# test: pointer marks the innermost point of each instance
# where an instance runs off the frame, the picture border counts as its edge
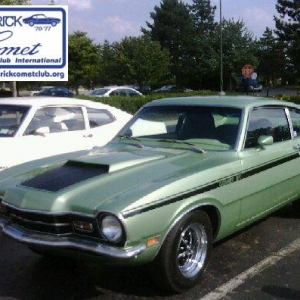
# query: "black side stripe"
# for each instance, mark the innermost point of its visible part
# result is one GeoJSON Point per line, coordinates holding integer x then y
{"type": "Point", "coordinates": [214, 185]}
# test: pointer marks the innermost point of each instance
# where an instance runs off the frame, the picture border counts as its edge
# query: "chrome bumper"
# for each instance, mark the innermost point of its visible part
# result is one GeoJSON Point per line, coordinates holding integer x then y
{"type": "Point", "coordinates": [40, 239]}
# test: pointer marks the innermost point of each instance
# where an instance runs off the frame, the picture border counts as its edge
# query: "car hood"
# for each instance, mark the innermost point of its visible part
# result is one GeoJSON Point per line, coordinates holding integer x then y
{"type": "Point", "coordinates": [114, 179]}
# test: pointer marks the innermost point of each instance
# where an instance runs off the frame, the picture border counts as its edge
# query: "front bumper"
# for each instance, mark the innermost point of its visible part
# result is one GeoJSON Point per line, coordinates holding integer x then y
{"type": "Point", "coordinates": [72, 243]}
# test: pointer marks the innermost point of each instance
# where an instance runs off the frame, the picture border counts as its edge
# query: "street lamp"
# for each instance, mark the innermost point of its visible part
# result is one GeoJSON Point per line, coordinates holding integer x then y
{"type": "Point", "coordinates": [222, 93]}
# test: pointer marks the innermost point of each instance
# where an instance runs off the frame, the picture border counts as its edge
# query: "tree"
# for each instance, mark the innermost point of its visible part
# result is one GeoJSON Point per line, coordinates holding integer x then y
{"type": "Point", "coordinates": [141, 60]}
{"type": "Point", "coordinates": [15, 2]}
{"type": "Point", "coordinates": [173, 28]}
{"type": "Point", "coordinates": [108, 69]}
{"type": "Point", "coordinates": [205, 62]}
{"type": "Point", "coordinates": [288, 31]}
{"type": "Point", "coordinates": [239, 49]}
{"type": "Point", "coordinates": [271, 57]}
{"type": "Point", "coordinates": [84, 60]}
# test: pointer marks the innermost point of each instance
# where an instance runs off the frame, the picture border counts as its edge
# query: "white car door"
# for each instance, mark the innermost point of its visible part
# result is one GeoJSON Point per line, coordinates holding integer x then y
{"type": "Point", "coordinates": [54, 130]}
{"type": "Point", "coordinates": [105, 123]}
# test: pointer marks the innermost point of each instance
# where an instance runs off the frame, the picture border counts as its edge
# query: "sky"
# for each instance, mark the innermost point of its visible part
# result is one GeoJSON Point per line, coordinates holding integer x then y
{"type": "Point", "coordinates": [114, 20]}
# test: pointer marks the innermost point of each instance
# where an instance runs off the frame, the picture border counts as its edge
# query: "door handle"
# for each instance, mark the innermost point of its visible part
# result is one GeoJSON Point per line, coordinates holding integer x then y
{"type": "Point", "coordinates": [88, 135]}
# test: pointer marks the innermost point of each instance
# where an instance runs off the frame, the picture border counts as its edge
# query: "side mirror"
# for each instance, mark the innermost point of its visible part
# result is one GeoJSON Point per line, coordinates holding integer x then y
{"type": "Point", "coordinates": [265, 140]}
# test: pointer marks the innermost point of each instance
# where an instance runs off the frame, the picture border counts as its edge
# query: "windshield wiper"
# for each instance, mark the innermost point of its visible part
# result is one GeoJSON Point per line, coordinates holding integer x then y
{"type": "Point", "coordinates": [128, 137]}
{"type": "Point", "coordinates": [192, 146]}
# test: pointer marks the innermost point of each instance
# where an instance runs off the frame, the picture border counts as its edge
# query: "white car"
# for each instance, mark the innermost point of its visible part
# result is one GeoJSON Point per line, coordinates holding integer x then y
{"type": "Point", "coordinates": [33, 128]}
{"type": "Point", "coordinates": [114, 91]}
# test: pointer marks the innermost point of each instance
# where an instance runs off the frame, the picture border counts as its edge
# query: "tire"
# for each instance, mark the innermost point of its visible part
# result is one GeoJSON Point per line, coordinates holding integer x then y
{"type": "Point", "coordinates": [39, 250]}
{"type": "Point", "coordinates": [296, 206]}
{"type": "Point", "coordinates": [184, 254]}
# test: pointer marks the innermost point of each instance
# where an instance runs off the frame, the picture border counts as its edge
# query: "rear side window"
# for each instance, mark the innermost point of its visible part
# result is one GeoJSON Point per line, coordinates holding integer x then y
{"type": "Point", "coordinates": [267, 121]}
{"type": "Point", "coordinates": [99, 117]}
{"type": "Point", "coordinates": [295, 117]}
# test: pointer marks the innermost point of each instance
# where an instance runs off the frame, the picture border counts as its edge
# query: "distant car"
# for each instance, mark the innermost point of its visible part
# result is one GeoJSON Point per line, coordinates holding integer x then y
{"type": "Point", "coordinates": [38, 19]}
{"type": "Point", "coordinates": [249, 85]}
{"type": "Point", "coordinates": [32, 128]}
{"type": "Point", "coordinates": [57, 91]}
{"type": "Point", "coordinates": [182, 174]}
{"type": "Point", "coordinates": [35, 92]}
{"type": "Point", "coordinates": [114, 91]}
{"type": "Point", "coordinates": [172, 88]}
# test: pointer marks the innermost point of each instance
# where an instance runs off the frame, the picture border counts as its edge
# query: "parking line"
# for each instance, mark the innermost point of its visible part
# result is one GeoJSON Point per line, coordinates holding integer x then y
{"type": "Point", "coordinates": [232, 284]}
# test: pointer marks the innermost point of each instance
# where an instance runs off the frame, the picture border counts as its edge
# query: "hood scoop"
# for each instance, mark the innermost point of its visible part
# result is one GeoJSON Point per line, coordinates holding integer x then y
{"type": "Point", "coordinates": [115, 161]}
{"type": "Point", "coordinates": [78, 170]}
{"type": "Point", "coordinates": [66, 175]}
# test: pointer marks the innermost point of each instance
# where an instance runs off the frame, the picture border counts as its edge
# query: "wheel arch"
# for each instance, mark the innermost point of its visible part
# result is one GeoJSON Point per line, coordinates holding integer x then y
{"type": "Point", "coordinates": [212, 212]}
{"type": "Point", "coordinates": [214, 216]}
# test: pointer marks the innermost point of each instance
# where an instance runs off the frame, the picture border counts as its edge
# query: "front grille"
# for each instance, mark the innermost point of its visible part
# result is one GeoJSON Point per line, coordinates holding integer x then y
{"type": "Point", "coordinates": [58, 224]}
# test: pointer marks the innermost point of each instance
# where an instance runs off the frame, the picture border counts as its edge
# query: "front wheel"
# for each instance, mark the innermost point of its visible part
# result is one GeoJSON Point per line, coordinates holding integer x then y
{"type": "Point", "coordinates": [296, 206]}
{"type": "Point", "coordinates": [184, 254]}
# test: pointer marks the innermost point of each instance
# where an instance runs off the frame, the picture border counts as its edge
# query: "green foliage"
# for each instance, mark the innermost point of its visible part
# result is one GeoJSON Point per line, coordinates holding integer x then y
{"type": "Point", "coordinates": [133, 104]}
{"type": "Point", "coordinates": [288, 31]}
{"type": "Point", "coordinates": [239, 48]}
{"type": "Point", "coordinates": [271, 50]}
{"type": "Point", "coordinates": [134, 60]}
{"type": "Point", "coordinates": [15, 2]}
{"type": "Point", "coordinates": [289, 98]}
{"type": "Point", "coordinates": [206, 56]}
{"type": "Point", "coordinates": [173, 28]}
{"type": "Point", "coordinates": [84, 59]}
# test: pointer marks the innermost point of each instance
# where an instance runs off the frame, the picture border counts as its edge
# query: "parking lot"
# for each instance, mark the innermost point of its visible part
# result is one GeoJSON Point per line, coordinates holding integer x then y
{"type": "Point", "coordinates": [260, 262]}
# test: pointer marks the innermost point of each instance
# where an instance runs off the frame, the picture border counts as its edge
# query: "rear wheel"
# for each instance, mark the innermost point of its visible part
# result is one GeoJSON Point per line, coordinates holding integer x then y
{"type": "Point", "coordinates": [296, 206]}
{"type": "Point", "coordinates": [184, 254]}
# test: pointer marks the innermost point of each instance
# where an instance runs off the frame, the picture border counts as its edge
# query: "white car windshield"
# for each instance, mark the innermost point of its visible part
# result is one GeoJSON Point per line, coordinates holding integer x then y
{"type": "Point", "coordinates": [99, 91]}
{"type": "Point", "coordinates": [11, 117]}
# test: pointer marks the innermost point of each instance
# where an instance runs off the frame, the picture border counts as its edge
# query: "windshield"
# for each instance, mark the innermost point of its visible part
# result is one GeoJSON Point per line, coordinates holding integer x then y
{"type": "Point", "coordinates": [11, 117]}
{"type": "Point", "coordinates": [210, 127]}
{"type": "Point", "coordinates": [99, 91]}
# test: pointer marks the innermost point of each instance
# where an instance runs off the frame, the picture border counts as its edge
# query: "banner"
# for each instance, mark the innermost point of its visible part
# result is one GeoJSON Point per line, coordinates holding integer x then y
{"type": "Point", "coordinates": [33, 43]}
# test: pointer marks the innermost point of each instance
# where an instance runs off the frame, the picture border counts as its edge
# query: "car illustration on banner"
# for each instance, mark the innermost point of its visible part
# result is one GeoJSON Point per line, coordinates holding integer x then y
{"type": "Point", "coordinates": [41, 19]}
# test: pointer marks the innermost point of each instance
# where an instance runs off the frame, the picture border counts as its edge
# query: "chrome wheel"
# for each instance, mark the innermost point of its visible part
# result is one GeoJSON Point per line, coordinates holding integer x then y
{"type": "Point", "coordinates": [192, 250]}
{"type": "Point", "coordinates": [184, 254]}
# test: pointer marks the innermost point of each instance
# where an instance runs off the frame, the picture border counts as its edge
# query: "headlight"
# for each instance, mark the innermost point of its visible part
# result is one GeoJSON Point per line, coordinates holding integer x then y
{"type": "Point", "coordinates": [3, 208]}
{"type": "Point", "coordinates": [111, 228]}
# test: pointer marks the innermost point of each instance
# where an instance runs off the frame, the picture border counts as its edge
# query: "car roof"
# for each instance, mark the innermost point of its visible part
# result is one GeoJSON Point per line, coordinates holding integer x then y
{"type": "Point", "coordinates": [42, 101]}
{"type": "Point", "coordinates": [232, 101]}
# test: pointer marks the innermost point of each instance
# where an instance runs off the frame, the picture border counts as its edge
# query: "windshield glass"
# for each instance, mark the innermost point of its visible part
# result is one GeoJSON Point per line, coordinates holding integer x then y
{"type": "Point", "coordinates": [212, 128]}
{"type": "Point", "coordinates": [99, 92]}
{"type": "Point", "coordinates": [11, 117]}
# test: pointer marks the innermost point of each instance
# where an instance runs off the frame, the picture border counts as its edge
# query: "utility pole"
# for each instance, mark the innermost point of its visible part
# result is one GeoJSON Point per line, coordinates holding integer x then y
{"type": "Point", "coordinates": [222, 93]}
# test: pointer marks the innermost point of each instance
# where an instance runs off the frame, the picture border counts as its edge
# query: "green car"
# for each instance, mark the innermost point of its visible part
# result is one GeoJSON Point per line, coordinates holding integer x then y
{"type": "Point", "coordinates": [182, 174]}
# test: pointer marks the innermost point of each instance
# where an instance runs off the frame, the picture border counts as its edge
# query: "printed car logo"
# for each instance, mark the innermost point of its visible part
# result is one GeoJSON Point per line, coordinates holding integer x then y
{"type": "Point", "coordinates": [230, 180]}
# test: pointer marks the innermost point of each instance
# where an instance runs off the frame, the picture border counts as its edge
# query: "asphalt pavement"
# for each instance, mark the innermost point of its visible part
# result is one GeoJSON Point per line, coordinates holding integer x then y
{"type": "Point", "coordinates": [259, 262]}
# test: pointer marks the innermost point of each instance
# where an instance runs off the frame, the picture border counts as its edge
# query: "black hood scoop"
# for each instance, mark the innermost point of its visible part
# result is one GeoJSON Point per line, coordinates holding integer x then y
{"type": "Point", "coordinates": [66, 175]}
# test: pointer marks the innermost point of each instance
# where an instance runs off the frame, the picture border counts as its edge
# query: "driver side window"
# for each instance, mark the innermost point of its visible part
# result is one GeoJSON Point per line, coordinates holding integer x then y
{"type": "Point", "coordinates": [267, 121]}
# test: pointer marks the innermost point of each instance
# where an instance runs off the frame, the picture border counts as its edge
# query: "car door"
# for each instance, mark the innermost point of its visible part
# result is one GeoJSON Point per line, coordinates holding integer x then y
{"type": "Point", "coordinates": [269, 169]}
{"type": "Point", "coordinates": [103, 125]}
{"type": "Point", "coordinates": [54, 130]}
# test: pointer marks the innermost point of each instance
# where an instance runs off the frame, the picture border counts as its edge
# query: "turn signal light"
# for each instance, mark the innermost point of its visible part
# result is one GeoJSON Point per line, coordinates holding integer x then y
{"type": "Point", "coordinates": [83, 226]}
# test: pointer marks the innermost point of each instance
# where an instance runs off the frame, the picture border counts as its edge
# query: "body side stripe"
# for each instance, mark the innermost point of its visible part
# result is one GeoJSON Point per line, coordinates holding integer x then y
{"type": "Point", "coordinates": [214, 185]}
